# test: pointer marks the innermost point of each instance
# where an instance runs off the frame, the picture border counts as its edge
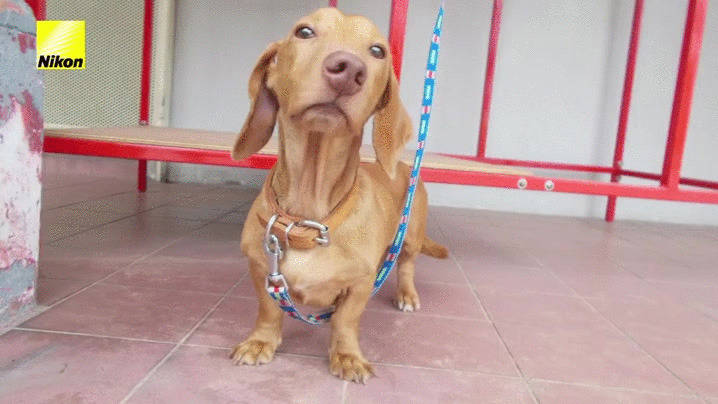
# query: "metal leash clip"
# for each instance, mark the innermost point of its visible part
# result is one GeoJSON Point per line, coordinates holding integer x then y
{"type": "Point", "coordinates": [323, 238]}
{"type": "Point", "coordinates": [274, 253]}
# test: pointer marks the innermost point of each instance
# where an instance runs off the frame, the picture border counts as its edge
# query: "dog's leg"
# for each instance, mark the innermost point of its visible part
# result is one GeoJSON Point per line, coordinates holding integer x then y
{"type": "Point", "coordinates": [345, 357]}
{"type": "Point", "coordinates": [407, 299]}
{"type": "Point", "coordinates": [259, 347]}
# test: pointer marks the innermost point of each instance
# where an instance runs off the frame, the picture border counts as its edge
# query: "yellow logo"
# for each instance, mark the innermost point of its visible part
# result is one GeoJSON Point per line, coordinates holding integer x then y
{"type": "Point", "coordinates": [61, 45]}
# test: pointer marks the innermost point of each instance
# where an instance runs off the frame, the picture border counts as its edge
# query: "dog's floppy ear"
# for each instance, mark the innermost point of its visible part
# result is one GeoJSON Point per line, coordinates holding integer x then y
{"type": "Point", "coordinates": [262, 116]}
{"type": "Point", "coordinates": [392, 126]}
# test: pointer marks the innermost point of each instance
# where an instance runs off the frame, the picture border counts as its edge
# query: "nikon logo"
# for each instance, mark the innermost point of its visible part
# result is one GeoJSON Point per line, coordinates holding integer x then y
{"type": "Point", "coordinates": [57, 62]}
{"type": "Point", "coordinates": [61, 45]}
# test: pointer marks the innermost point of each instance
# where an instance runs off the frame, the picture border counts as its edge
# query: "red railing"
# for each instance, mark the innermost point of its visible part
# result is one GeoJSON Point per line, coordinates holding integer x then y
{"type": "Point", "coordinates": [669, 180]}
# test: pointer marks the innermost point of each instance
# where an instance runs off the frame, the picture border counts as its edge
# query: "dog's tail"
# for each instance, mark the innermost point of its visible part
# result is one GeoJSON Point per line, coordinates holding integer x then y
{"type": "Point", "coordinates": [434, 249]}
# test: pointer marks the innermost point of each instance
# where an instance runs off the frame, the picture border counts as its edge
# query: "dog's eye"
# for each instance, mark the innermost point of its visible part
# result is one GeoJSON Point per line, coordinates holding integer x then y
{"type": "Point", "coordinates": [304, 32]}
{"type": "Point", "coordinates": [377, 51]}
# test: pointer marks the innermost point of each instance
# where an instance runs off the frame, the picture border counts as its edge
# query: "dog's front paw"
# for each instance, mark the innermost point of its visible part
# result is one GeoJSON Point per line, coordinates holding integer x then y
{"type": "Point", "coordinates": [350, 367]}
{"type": "Point", "coordinates": [408, 300]}
{"type": "Point", "coordinates": [253, 352]}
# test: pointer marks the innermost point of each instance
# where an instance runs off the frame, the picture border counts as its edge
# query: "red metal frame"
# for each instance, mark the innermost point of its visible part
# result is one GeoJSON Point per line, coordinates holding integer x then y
{"type": "Point", "coordinates": [266, 161]}
{"type": "Point", "coordinates": [145, 88]}
{"type": "Point", "coordinates": [625, 105]}
{"type": "Point", "coordinates": [397, 33]}
{"type": "Point", "coordinates": [38, 7]}
{"type": "Point", "coordinates": [687, 72]}
{"type": "Point", "coordinates": [669, 180]}
{"type": "Point", "coordinates": [489, 78]}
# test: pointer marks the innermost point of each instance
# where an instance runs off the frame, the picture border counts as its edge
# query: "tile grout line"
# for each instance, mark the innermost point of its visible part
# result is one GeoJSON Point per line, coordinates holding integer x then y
{"type": "Point", "coordinates": [691, 305]}
{"type": "Point", "coordinates": [163, 288]}
{"type": "Point", "coordinates": [104, 277]}
{"type": "Point", "coordinates": [91, 199]}
{"type": "Point", "coordinates": [77, 233]}
{"type": "Point", "coordinates": [590, 306]}
{"type": "Point", "coordinates": [614, 388]}
{"type": "Point", "coordinates": [496, 330]}
{"type": "Point", "coordinates": [345, 392]}
{"type": "Point", "coordinates": [99, 281]}
{"type": "Point", "coordinates": [82, 334]}
{"type": "Point", "coordinates": [642, 348]}
{"type": "Point", "coordinates": [177, 346]}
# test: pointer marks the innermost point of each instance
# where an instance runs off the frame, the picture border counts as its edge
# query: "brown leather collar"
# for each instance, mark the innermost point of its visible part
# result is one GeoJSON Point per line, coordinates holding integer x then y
{"type": "Point", "coordinates": [302, 237]}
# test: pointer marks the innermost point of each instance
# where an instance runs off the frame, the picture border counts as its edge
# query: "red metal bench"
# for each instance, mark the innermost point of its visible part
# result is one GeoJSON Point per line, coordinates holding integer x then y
{"type": "Point", "coordinates": [478, 169]}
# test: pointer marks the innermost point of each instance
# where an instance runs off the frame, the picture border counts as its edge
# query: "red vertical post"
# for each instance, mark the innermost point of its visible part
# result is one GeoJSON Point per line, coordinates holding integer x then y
{"type": "Point", "coordinates": [625, 104]}
{"type": "Point", "coordinates": [39, 8]}
{"type": "Point", "coordinates": [489, 78]}
{"type": "Point", "coordinates": [685, 84]}
{"type": "Point", "coordinates": [145, 88]}
{"type": "Point", "coordinates": [397, 32]}
{"type": "Point", "coordinates": [333, 3]}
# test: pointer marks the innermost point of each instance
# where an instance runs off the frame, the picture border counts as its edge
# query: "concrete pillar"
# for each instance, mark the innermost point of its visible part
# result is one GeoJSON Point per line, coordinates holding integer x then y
{"type": "Point", "coordinates": [21, 123]}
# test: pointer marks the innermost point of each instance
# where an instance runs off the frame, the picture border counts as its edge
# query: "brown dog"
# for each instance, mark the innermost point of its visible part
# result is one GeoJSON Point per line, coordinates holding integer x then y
{"type": "Point", "coordinates": [322, 83]}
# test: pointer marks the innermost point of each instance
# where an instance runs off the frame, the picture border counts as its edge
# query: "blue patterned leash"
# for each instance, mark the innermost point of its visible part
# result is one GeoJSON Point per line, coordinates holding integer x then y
{"type": "Point", "coordinates": [276, 285]}
{"type": "Point", "coordinates": [426, 103]}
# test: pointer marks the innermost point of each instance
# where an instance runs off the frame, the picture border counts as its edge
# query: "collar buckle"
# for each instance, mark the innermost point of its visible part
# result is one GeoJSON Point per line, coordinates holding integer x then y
{"type": "Point", "coordinates": [323, 239]}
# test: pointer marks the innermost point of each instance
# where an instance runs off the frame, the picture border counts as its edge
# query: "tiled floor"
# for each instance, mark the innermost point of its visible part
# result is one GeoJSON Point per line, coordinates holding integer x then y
{"type": "Point", "coordinates": [145, 294]}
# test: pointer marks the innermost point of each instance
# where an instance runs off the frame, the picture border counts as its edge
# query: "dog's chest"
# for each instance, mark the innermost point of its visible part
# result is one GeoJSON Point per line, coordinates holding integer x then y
{"type": "Point", "coordinates": [318, 275]}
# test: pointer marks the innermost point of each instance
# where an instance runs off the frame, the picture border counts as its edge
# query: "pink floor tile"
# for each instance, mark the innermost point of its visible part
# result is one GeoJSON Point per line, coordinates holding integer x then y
{"type": "Point", "coordinates": [484, 250]}
{"type": "Point", "coordinates": [195, 275]}
{"type": "Point", "coordinates": [614, 286]}
{"type": "Point", "coordinates": [565, 393]}
{"type": "Point", "coordinates": [401, 384]}
{"type": "Point", "coordinates": [437, 270]}
{"type": "Point", "coordinates": [79, 193]}
{"type": "Point", "coordinates": [688, 270]}
{"type": "Point", "coordinates": [131, 237]}
{"type": "Point", "coordinates": [541, 310]}
{"type": "Point", "coordinates": [233, 320]}
{"type": "Point", "coordinates": [128, 203]}
{"type": "Point", "coordinates": [589, 311]}
{"type": "Point", "coordinates": [205, 375]}
{"type": "Point", "coordinates": [245, 287]}
{"type": "Point", "coordinates": [172, 211]}
{"type": "Point", "coordinates": [235, 217]}
{"type": "Point", "coordinates": [702, 297]}
{"type": "Point", "coordinates": [50, 290]}
{"type": "Point", "coordinates": [573, 357]}
{"type": "Point", "coordinates": [226, 251]}
{"type": "Point", "coordinates": [510, 279]}
{"type": "Point", "coordinates": [228, 324]}
{"type": "Point", "coordinates": [424, 340]}
{"type": "Point", "coordinates": [50, 368]}
{"type": "Point", "coordinates": [437, 342]}
{"type": "Point", "coordinates": [694, 363]}
{"type": "Point", "coordinates": [70, 263]}
{"type": "Point", "coordinates": [106, 310]}
{"type": "Point", "coordinates": [659, 320]}
{"type": "Point", "coordinates": [84, 219]}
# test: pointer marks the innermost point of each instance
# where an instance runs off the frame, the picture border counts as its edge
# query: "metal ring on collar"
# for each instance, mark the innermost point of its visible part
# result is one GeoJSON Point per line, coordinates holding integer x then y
{"type": "Point", "coordinates": [286, 233]}
{"type": "Point", "coordinates": [323, 238]}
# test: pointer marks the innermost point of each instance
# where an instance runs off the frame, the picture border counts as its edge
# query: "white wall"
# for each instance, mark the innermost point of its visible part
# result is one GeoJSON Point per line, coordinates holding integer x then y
{"type": "Point", "coordinates": [557, 89]}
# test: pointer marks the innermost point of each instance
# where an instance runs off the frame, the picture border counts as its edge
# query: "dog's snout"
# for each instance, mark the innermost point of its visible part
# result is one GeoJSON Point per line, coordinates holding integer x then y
{"type": "Point", "coordinates": [344, 72]}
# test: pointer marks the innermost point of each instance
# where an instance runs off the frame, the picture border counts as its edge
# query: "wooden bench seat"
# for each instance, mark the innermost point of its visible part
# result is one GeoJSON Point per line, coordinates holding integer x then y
{"type": "Point", "coordinates": [209, 147]}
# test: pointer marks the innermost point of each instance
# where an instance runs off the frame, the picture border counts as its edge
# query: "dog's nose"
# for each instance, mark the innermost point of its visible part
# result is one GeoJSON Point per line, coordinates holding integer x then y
{"type": "Point", "coordinates": [344, 72]}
